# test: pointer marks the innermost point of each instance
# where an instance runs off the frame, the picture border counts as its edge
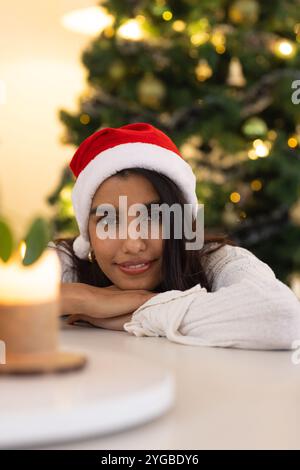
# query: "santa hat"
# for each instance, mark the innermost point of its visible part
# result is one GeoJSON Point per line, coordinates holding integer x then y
{"type": "Point", "coordinates": [112, 149]}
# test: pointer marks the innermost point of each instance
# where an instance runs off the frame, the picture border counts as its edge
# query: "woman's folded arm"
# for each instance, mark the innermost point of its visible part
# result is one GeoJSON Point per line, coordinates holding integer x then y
{"type": "Point", "coordinates": [248, 307]}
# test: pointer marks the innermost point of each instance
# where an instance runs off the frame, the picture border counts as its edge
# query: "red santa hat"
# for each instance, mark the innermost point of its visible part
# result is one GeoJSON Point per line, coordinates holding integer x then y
{"type": "Point", "coordinates": [112, 149]}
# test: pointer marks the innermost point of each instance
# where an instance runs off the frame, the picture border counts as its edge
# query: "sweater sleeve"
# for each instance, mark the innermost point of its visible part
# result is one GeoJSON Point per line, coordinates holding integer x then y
{"type": "Point", "coordinates": [248, 307]}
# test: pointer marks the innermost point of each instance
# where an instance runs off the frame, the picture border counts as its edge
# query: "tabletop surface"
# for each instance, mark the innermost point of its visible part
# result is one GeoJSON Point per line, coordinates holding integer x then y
{"type": "Point", "coordinates": [225, 398]}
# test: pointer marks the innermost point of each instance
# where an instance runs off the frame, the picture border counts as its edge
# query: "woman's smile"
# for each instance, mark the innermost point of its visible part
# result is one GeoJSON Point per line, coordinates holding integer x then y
{"type": "Point", "coordinates": [134, 268]}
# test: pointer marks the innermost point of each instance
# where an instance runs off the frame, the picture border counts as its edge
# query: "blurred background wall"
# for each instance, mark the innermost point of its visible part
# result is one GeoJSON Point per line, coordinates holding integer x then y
{"type": "Point", "coordinates": [40, 71]}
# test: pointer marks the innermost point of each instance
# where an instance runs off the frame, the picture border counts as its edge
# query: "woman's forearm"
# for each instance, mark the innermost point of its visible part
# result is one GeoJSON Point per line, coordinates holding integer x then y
{"type": "Point", "coordinates": [98, 302]}
{"type": "Point", "coordinates": [76, 298]}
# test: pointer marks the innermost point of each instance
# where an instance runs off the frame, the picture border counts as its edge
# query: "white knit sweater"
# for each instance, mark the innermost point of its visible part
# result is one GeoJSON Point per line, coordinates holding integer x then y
{"type": "Point", "coordinates": [248, 307]}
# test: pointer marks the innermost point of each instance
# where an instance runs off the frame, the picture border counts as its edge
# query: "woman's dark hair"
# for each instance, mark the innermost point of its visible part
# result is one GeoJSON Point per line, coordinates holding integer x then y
{"type": "Point", "coordinates": [181, 268]}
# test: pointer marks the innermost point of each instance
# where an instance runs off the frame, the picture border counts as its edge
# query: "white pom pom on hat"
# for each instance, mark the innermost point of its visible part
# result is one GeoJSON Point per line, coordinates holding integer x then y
{"type": "Point", "coordinates": [81, 247]}
{"type": "Point", "coordinates": [110, 150]}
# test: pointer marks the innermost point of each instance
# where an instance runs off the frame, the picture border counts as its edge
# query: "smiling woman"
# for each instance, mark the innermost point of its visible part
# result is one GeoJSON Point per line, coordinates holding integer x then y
{"type": "Point", "coordinates": [169, 265]}
{"type": "Point", "coordinates": [129, 263]}
{"type": "Point", "coordinates": [219, 295]}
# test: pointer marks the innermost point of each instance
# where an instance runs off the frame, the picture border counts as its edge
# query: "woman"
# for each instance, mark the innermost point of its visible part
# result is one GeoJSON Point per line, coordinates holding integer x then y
{"type": "Point", "coordinates": [217, 294]}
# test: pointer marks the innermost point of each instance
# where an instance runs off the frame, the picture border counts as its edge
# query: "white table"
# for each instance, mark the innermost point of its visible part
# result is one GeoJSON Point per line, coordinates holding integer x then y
{"type": "Point", "coordinates": [225, 398]}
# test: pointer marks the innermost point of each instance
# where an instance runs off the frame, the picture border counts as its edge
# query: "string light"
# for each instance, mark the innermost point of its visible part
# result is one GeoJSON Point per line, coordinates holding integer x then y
{"type": "Point", "coordinates": [200, 38]}
{"type": "Point", "coordinates": [256, 185]}
{"type": "Point", "coordinates": [131, 30]}
{"type": "Point", "coordinates": [235, 197]}
{"type": "Point", "coordinates": [262, 149]}
{"type": "Point", "coordinates": [292, 142]}
{"type": "Point", "coordinates": [252, 154]}
{"type": "Point", "coordinates": [84, 119]}
{"type": "Point", "coordinates": [179, 26]}
{"type": "Point", "coordinates": [218, 40]}
{"type": "Point", "coordinates": [167, 15]}
{"type": "Point", "coordinates": [272, 134]}
{"type": "Point", "coordinates": [284, 48]}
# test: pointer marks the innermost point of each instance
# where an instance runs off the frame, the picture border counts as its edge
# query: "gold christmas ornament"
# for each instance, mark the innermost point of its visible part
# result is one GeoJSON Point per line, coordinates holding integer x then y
{"type": "Point", "coordinates": [254, 127]}
{"type": "Point", "coordinates": [235, 74]}
{"type": "Point", "coordinates": [151, 91]}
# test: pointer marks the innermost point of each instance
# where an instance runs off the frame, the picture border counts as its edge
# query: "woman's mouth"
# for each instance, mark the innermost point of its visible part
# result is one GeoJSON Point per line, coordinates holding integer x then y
{"type": "Point", "coordinates": [135, 268]}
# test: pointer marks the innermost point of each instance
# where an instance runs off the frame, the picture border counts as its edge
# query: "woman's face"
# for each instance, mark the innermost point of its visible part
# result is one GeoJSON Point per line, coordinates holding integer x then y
{"type": "Point", "coordinates": [111, 253]}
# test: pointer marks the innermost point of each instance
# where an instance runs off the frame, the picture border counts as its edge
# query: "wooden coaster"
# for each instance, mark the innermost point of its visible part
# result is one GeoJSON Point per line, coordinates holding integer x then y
{"type": "Point", "coordinates": [43, 363]}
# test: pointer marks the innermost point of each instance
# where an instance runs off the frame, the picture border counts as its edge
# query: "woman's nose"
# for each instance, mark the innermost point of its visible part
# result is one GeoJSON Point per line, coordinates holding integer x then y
{"type": "Point", "coordinates": [133, 245]}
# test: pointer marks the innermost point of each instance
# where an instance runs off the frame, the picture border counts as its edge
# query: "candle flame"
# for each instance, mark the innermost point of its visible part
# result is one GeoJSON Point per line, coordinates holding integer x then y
{"type": "Point", "coordinates": [22, 249]}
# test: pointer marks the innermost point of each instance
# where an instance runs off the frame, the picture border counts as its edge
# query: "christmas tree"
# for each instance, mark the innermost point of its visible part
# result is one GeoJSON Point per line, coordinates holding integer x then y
{"type": "Point", "coordinates": [217, 76]}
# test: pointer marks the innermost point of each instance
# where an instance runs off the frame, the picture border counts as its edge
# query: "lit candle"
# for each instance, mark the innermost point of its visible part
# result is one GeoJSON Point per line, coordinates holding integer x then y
{"type": "Point", "coordinates": [29, 305]}
{"type": "Point", "coordinates": [29, 316]}
{"type": "Point", "coordinates": [38, 282]}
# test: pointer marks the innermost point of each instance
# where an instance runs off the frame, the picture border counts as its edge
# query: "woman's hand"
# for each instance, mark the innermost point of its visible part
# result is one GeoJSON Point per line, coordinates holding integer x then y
{"type": "Point", "coordinates": [100, 302]}
{"type": "Point", "coordinates": [113, 323]}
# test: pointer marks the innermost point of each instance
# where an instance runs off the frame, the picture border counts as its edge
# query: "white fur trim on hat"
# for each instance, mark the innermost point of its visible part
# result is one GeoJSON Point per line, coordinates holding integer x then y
{"type": "Point", "coordinates": [81, 247]}
{"type": "Point", "coordinates": [129, 155]}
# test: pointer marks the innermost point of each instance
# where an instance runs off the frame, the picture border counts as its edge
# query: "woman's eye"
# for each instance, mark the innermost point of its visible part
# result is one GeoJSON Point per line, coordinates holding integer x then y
{"type": "Point", "coordinates": [156, 217]}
